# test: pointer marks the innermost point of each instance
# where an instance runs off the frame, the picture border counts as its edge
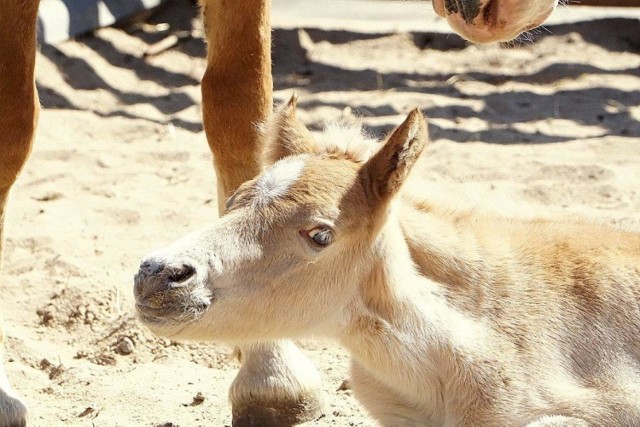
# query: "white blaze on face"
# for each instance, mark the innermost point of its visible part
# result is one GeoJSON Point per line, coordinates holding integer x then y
{"type": "Point", "coordinates": [276, 180]}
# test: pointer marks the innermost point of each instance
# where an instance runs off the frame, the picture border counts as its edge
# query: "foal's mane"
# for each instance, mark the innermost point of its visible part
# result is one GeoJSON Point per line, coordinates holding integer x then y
{"type": "Point", "coordinates": [338, 139]}
{"type": "Point", "coordinates": [347, 141]}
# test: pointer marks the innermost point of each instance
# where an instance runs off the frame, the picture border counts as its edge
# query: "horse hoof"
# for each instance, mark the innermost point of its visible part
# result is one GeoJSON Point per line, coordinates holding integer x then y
{"type": "Point", "coordinates": [271, 414]}
{"type": "Point", "coordinates": [276, 386]}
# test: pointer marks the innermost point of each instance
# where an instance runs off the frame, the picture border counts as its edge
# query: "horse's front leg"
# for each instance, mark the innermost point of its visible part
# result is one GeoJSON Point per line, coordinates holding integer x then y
{"type": "Point", "coordinates": [276, 385]}
{"type": "Point", "coordinates": [18, 117]}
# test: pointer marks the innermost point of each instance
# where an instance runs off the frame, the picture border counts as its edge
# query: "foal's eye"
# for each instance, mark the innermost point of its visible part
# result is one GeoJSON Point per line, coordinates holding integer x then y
{"type": "Point", "coordinates": [321, 236]}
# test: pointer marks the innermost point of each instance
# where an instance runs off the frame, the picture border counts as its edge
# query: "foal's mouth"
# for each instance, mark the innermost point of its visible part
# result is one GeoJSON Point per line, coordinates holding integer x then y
{"type": "Point", "coordinates": [156, 315]}
{"type": "Point", "coordinates": [154, 311]}
{"type": "Point", "coordinates": [183, 310]}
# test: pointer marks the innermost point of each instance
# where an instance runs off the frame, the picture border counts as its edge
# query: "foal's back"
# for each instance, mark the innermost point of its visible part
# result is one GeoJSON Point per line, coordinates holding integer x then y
{"type": "Point", "coordinates": [559, 299]}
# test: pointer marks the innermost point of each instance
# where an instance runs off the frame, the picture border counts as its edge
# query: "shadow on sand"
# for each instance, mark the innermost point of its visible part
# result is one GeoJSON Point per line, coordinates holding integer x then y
{"type": "Point", "coordinates": [293, 66]}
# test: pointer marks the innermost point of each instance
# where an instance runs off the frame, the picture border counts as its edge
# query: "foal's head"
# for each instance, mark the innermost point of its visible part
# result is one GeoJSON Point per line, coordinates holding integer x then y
{"type": "Point", "coordinates": [289, 253]}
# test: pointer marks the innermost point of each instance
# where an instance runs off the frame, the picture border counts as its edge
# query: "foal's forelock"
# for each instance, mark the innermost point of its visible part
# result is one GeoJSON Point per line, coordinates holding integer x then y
{"type": "Point", "coordinates": [276, 180]}
{"type": "Point", "coordinates": [338, 141]}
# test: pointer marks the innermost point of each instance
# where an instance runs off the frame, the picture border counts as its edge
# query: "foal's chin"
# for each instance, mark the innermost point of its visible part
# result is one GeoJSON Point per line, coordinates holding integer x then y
{"type": "Point", "coordinates": [168, 327]}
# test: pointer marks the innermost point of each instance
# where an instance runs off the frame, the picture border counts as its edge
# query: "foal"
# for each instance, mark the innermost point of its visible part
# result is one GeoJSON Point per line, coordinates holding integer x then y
{"type": "Point", "coordinates": [237, 89]}
{"type": "Point", "coordinates": [451, 317]}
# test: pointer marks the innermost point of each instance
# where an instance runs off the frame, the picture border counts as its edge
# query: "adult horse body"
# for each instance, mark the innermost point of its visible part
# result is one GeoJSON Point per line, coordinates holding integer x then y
{"type": "Point", "coordinates": [237, 93]}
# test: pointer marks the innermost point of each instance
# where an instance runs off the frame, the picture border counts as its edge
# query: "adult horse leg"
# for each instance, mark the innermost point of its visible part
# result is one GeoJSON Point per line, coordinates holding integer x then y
{"type": "Point", "coordinates": [276, 384]}
{"type": "Point", "coordinates": [18, 117]}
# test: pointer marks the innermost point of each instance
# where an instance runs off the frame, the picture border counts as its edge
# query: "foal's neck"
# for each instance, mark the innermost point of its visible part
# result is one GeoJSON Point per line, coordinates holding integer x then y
{"type": "Point", "coordinates": [395, 319]}
{"type": "Point", "coordinates": [401, 328]}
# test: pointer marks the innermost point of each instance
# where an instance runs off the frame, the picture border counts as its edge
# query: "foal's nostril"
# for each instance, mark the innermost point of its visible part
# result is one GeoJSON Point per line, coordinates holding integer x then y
{"type": "Point", "coordinates": [155, 277]}
{"type": "Point", "coordinates": [182, 274]}
{"type": "Point", "coordinates": [151, 267]}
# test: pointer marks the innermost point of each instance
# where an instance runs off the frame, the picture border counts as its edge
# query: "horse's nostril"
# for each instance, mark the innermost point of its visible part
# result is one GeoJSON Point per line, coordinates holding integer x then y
{"type": "Point", "coordinates": [157, 277]}
{"type": "Point", "coordinates": [151, 267]}
{"type": "Point", "coordinates": [468, 9]}
{"type": "Point", "coordinates": [182, 274]}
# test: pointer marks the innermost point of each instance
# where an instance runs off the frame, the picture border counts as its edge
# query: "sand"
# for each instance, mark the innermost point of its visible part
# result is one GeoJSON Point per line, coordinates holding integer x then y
{"type": "Point", "coordinates": [121, 167]}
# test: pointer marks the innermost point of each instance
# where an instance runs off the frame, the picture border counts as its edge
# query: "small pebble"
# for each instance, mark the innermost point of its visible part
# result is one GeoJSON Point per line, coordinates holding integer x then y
{"type": "Point", "coordinates": [198, 399]}
{"type": "Point", "coordinates": [87, 411]}
{"type": "Point", "coordinates": [125, 346]}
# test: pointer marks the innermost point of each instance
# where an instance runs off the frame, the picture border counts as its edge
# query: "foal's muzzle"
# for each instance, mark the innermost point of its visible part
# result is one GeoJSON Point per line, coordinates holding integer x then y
{"type": "Point", "coordinates": [163, 291]}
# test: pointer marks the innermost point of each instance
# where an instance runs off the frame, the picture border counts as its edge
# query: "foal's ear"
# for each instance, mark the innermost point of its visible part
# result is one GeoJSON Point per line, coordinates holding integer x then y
{"type": "Point", "coordinates": [286, 136]}
{"type": "Point", "coordinates": [387, 170]}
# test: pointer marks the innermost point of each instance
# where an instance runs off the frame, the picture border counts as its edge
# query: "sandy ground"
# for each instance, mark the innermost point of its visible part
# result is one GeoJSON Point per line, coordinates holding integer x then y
{"type": "Point", "coordinates": [121, 167]}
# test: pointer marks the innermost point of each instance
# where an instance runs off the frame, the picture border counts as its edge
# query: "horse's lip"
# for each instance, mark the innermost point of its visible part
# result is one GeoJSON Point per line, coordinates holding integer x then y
{"type": "Point", "coordinates": [148, 312]}
{"type": "Point", "coordinates": [151, 312]}
{"type": "Point", "coordinates": [483, 30]}
{"type": "Point", "coordinates": [152, 320]}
